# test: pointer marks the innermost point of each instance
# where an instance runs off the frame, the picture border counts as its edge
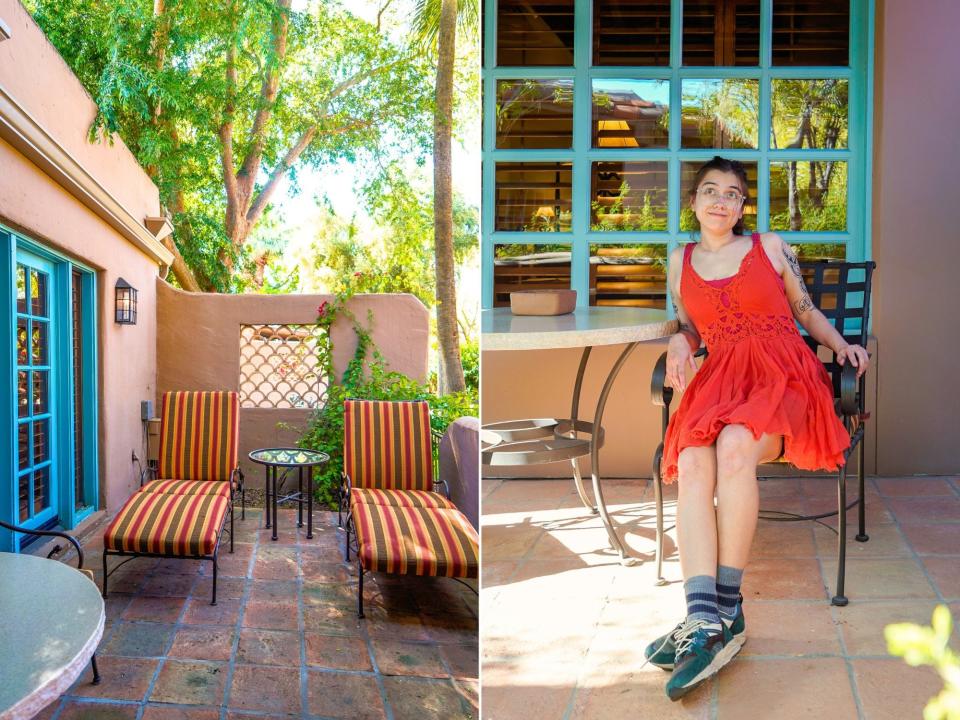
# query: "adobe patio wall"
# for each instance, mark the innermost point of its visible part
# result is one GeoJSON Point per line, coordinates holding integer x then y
{"type": "Point", "coordinates": [38, 90]}
{"type": "Point", "coordinates": [198, 348]}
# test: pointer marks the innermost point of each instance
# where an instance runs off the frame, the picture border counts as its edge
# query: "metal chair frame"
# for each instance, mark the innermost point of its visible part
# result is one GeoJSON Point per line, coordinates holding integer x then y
{"type": "Point", "coordinates": [849, 398]}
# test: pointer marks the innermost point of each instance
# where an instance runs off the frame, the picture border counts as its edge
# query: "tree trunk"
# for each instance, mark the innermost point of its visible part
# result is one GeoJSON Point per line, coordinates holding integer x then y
{"type": "Point", "coordinates": [448, 334]}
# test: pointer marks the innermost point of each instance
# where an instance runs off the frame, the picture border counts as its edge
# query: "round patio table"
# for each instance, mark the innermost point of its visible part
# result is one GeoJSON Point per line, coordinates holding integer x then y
{"type": "Point", "coordinates": [51, 620]}
{"type": "Point", "coordinates": [542, 440]}
{"type": "Point", "coordinates": [289, 459]}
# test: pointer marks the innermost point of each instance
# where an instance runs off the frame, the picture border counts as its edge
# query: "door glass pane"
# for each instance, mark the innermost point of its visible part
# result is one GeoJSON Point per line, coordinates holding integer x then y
{"type": "Point", "coordinates": [41, 442]}
{"type": "Point", "coordinates": [41, 490]}
{"type": "Point", "coordinates": [631, 32]}
{"type": "Point", "coordinates": [38, 293]}
{"type": "Point", "coordinates": [23, 393]}
{"type": "Point", "coordinates": [23, 445]}
{"type": "Point", "coordinates": [537, 32]}
{"type": "Point", "coordinates": [629, 196]}
{"type": "Point", "coordinates": [40, 400]}
{"type": "Point", "coordinates": [534, 113]}
{"type": "Point", "coordinates": [721, 32]}
{"type": "Point", "coordinates": [809, 113]}
{"type": "Point", "coordinates": [23, 357]}
{"type": "Point", "coordinates": [23, 492]}
{"type": "Point", "coordinates": [529, 267]}
{"type": "Point", "coordinates": [811, 32]}
{"type": "Point", "coordinates": [688, 221]}
{"type": "Point", "coordinates": [631, 113]}
{"type": "Point", "coordinates": [533, 196]}
{"type": "Point", "coordinates": [39, 341]}
{"type": "Point", "coordinates": [21, 289]}
{"type": "Point", "coordinates": [808, 196]}
{"type": "Point", "coordinates": [628, 275]}
{"type": "Point", "coordinates": [720, 113]}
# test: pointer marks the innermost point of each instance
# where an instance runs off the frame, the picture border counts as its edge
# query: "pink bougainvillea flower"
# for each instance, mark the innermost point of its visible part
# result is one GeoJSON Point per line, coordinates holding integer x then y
{"type": "Point", "coordinates": [322, 308]}
{"type": "Point", "coordinates": [358, 274]}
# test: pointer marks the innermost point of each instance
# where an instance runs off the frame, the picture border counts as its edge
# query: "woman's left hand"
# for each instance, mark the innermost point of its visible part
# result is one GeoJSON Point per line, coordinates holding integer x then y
{"type": "Point", "coordinates": [857, 356]}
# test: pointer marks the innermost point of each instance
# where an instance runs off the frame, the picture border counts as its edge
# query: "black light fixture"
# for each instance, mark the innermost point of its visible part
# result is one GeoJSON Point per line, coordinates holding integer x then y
{"type": "Point", "coordinates": [126, 303]}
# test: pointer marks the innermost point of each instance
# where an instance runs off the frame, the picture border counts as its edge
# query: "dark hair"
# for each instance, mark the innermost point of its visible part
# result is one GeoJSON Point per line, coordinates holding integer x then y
{"type": "Point", "coordinates": [728, 166]}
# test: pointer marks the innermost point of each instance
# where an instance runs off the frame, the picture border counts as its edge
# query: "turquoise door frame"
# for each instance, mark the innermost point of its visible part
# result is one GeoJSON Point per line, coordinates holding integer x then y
{"type": "Point", "coordinates": [857, 155]}
{"type": "Point", "coordinates": [64, 506]}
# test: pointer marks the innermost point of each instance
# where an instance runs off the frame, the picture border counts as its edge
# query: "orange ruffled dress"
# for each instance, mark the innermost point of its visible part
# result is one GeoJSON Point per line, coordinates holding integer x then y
{"type": "Point", "coordinates": [759, 371]}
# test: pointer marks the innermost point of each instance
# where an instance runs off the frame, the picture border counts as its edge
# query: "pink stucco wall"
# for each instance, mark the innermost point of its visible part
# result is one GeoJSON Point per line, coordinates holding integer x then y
{"type": "Point", "coordinates": [32, 204]}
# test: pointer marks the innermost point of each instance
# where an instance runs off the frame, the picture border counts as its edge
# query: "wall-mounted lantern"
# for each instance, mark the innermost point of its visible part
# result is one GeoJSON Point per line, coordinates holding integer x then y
{"type": "Point", "coordinates": [126, 303]}
{"type": "Point", "coordinates": [4, 31]}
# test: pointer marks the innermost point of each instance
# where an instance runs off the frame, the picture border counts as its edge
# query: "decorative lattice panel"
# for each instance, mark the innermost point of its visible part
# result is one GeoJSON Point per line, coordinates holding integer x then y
{"type": "Point", "coordinates": [279, 367]}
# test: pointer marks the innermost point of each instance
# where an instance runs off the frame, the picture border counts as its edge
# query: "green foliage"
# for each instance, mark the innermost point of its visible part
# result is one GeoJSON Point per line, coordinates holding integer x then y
{"type": "Point", "coordinates": [626, 214]}
{"type": "Point", "coordinates": [368, 377]}
{"type": "Point", "coordinates": [470, 358]}
{"type": "Point", "coordinates": [919, 645]}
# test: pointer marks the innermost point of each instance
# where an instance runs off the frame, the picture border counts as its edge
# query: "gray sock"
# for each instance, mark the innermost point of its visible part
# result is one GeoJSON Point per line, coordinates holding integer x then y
{"type": "Point", "coordinates": [728, 588]}
{"type": "Point", "coordinates": [701, 592]}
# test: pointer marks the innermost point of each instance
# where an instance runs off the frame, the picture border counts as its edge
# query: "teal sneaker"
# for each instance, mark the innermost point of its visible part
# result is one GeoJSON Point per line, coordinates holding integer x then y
{"type": "Point", "coordinates": [702, 649]}
{"type": "Point", "coordinates": [662, 652]}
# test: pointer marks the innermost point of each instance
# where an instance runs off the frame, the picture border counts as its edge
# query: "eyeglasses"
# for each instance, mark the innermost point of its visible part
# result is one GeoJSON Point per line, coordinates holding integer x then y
{"type": "Point", "coordinates": [712, 195]}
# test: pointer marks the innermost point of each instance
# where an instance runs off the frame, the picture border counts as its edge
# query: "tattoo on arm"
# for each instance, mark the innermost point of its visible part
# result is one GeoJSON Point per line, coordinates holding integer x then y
{"type": "Point", "coordinates": [804, 303]}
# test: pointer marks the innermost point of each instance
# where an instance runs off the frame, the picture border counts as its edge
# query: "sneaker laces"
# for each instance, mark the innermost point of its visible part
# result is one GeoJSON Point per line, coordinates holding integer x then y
{"type": "Point", "coordinates": [687, 635]}
{"type": "Point", "coordinates": [672, 635]}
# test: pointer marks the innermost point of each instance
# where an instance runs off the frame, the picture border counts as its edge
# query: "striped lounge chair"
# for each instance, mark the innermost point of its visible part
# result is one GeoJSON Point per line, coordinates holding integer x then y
{"type": "Point", "coordinates": [401, 523]}
{"type": "Point", "coordinates": [182, 512]}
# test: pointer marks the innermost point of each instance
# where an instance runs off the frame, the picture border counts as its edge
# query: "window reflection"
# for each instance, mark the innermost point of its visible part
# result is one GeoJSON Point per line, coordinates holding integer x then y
{"type": "Point", "coordinates": [809, 113]}
{"type": "Point", "coordinates": [529, 267]}
{"type": "Point", "coordinates": [631, 32]}
{"type": "Point", "coordinates": [720, 113]}
{"type": "Point", "coordinates": [810, 195]}
{"type": "Point", "coordinates": [631, 113]}
{"type": "Point", "coordinates": [628, 275]}
{"type": "Point", "coordinates": [629, 196]}
{"type": "Point", "coordinates": [534, 32]}
{"type": "Point", "coordinates": [721, 32]}
{"type": "Point", "coordinates": [534, 113]}
{"type": "Point", "coordinates": [533, 196]}
{"type": "Point", "coordinates": [811, 32]}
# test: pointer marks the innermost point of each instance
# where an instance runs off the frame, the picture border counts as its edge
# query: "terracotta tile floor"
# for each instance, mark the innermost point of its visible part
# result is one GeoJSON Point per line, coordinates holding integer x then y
{"type": "Point", "coordinates": [564, 624]}
{"type": "Point", "coordinates": [283, 640]}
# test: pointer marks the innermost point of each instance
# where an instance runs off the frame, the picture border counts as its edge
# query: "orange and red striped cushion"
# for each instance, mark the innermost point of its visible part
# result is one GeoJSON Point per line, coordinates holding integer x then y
{"type": "Point", "coordinates": [180, 525]}
{"type": "Point", "coordinates": [199, 435]}
{"type": "Point", "coordinates": [188, 487]}
{"type": "Point", "coordinates": [386, 445]}
{"type": "Point", "coordinates": [400, 498]}
{"type": "Point", "coordinates": [416, 541]}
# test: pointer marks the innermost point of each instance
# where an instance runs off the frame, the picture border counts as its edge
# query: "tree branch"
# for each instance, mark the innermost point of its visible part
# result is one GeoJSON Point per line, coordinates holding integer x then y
{"type": "Point", "coordinates": [260, 203]}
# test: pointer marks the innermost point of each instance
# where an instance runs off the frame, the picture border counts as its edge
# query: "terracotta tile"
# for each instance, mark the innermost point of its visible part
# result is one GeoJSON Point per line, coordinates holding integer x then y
{"type": "Point", "coordinates": [154, 609]}
{"type": "Point", "coordinates": [336, 652]}
{"type": "Point", "coordinates": [158, 712]}
{"type": "Point", "coordinates": [116, 604]}
{"type": "Point", "coordinates": [884, 541]}
{"type": "Point", "coordinates": [121, 679]}
{"type": "Point", "coordinates": [781, 539]}
{"type": "Point", "coordinates": [331, 620]}
{"type": "Point", "coordinates": [228, 588]}
{"type": "Point", "coordinates": [507, 701]}
{"type": "Point", "coordinates": [190, 683]}
{"type": "Point", "coordinates": [138, 639]}
{"type": "Point", "coordinates": [168, 585]}
{"type": "Point", "coordinates": [640, 695]}
{"type": "Point", "coordinates": [862, 623]}
{"type": "Point", "coordinates": [878, 578]}
{"type": "Point", "coordinates": [790, 628]}
{"type": "Point", "coordinates": [325, 571]}
{"type": "Point", "coordinates": [276, 563]}
{"type": "Point", "coordinates": [229, 566]}
{"type": "Point", "coordinates": [203, 643]}
{"type": "Point", "coordinates": [924, 509]}
{"type": "Point", "coordinates": [463, 660]}
{"type": "Point", "coordinates": [269, 647]}
{"type": "Point", "coordinates": [270, 616]}
{"type": "Point", "coordinates": [404, 658]}
{"type": "Point", "coordinates": [798, 689]}
{"type": "Point", "coordinates": [317, 593]}
{"type": "Point", "coordinates": [876, 512]}
{"type": "Point", "coordinates": [945, 572]}
{"type": "Point", "coordinates": [74, 710]}
{"type": "Point", "coordinates": [913, 486]}
{"type": "Point", "coordinates": [344, 695]}
{"type": "Point", "coordinates": [775, 580]}
{"type": "Point", "coordinates": [422, 699]}
{"type": "Point", "coordinates": [496, 572]}
{"type": "Point", "coordinates": [469, 690]}
{"type": "Point", "coordinates": [891, 690]}
{"type": "Point", "coordinates": [933, 538]}
{"type": "Point", "coordinates": [508, 542]}
{"type": "Point", "coordinates": [201, 612]}
{"type": "Point", "coordinates": [248, 691]}
{"type": "Point", "coordinates": [265, 591]}
{"type": "Point", "coordinates": [393, 625]}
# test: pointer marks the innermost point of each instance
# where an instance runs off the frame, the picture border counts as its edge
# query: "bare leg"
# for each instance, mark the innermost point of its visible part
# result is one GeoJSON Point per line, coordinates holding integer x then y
{"type": "Point", "coordinates": [696, 517]}
{"type": "Point", "coordinates": [738, 495]}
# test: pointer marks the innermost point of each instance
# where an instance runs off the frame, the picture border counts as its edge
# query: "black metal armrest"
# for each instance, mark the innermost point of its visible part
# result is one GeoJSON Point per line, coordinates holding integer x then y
{"type": "Point", "coordinates": [660, 394]}
{"type": "Point", "coordinates": [148, 473]}
{"type": "Point", "coordinates": [57, 549]}
{"type": "Point", "coordinates": [849, 386]}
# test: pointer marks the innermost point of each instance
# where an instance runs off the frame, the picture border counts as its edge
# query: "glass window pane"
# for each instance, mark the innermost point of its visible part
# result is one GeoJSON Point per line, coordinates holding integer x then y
{"type": "Point", "coordinates": [629, 196]}
{"type": "Point", "coordinates": [809, 113]}
{"type": "Point", "coordinates": [820, 251]}
{"type": "Point", "coordinates": [41, 444]}
{"type": "Point", "coordinates": [529, 267]}
{"type": "Point", "coordinates": [536, 32]}
{"type": "Point", "coordinates": [808, 195]}
{"type": "Point", "coordinates": [533, 196]}
{"type": "Point", "coordinates": [721, 32]}
{"type": "Point", "coordinates": [24, 497]}
{"type": "Point", "coordinates": [811, 32]}
{"type": "Point", "coordinates": [23, 445]}
{"type": "Point", "coordinates": [534, 113]}
{"type": "Point", "coordinates": [38, 293]}
{"type": "Point", "coordinates": [720, 113]}
{"type": "Point", "coordinates": [631, 275]}
{"type": "Point", "coordinates": [631, 32]}
{"type": "Point", "coordinates": [23, 394]}
{"type": "Point", "coordinates": [41, 490]}
{"type": "Point", "coordinates": [688, 221]}
{"type": "Point", "coordinates": [631, 113]}
{"type": "Point", "coordinates": [21, 289]}
{"type": "Point", "coordinates": [40, 400]}
{"type": "Point", "coordinates": [23, 344]}
{"type": "Point", "coordinates": [38, 342]}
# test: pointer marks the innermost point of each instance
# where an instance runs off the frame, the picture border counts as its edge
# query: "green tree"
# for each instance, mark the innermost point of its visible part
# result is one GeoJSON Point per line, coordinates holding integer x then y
{"type": "Point", "coordinates": [221, 101]}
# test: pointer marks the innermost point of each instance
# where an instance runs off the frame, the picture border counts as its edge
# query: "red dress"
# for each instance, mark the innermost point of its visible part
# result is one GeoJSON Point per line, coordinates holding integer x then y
{"type": "Point", "coordinates": [759, 372]}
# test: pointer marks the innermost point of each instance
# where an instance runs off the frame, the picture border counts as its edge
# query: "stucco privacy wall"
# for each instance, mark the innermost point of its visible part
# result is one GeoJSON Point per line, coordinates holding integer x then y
{"type": "Point", "coordinates": [198, 347]}
{"type": "Point", "coordinates": [33, 74]}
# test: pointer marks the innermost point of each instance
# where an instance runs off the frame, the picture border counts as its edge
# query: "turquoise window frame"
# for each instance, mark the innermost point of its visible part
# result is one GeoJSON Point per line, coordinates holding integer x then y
{"type": "Point", "coordinates": [62, 382]}
{"type": "Point", "coordinates": [857, 154]}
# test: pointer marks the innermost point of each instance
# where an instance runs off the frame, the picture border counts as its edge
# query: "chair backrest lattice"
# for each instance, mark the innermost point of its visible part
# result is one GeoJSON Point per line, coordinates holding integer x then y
{"type": "Point", "coordinates": [199, 435]}
{"type": "Point", "coordinates": [387, 445]}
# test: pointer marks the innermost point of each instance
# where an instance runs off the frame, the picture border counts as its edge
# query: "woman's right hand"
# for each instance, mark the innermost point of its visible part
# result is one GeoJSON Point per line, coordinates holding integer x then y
{"type": "Point", "coordinates": [679, 356]}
